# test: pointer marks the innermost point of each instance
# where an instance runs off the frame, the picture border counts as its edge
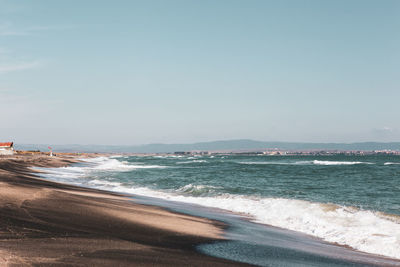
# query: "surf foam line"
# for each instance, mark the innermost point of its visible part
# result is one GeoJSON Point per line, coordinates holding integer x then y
{"type": "Point", "coordinates": [364, 230]}
{"type": "Point", "coordinates": [192, 161]}
{"type": "Point", "coordinates": [310, 162]}
{"type": "Point", "coordinates": [327, 162]}
{"type": "Point", "coordinates": [391, 163]}
{"type": "Point", "coordinates": [90, 167]}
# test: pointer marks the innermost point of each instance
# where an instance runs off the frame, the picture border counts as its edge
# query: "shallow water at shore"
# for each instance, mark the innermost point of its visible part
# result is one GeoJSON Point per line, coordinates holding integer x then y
{"type": "Point", "coordinates": [265, 245]}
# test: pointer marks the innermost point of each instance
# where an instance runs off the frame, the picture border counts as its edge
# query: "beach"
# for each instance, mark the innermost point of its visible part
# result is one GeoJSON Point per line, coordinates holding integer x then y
{"type": "Point", "coordinates": [43, 223]}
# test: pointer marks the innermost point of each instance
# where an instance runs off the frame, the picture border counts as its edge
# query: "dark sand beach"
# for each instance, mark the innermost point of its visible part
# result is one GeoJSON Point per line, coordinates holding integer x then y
{"type": "Point", "coordinates": [49, 224]}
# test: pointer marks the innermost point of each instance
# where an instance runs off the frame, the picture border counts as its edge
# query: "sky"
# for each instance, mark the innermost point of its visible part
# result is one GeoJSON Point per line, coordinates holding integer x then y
{"type": "Point", "coordinates": [138, 72]}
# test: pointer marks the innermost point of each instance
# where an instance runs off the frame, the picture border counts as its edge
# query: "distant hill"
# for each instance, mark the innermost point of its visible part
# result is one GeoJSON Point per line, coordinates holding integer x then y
{"type": "Point", "coordinates": [228, 145]}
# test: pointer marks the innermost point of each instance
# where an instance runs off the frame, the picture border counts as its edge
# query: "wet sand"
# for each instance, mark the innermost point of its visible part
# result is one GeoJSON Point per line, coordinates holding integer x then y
{"type": "Point", "coordinates": [49, 224]}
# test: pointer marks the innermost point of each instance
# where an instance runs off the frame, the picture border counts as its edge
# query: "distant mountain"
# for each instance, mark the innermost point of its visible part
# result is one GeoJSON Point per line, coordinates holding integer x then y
{"type": "Point", "coordinates": [229, 145]}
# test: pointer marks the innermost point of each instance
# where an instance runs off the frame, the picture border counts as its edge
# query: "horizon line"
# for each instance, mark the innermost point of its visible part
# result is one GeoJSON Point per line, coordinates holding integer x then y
{"type": "Point", "coordinates": [212, 141]}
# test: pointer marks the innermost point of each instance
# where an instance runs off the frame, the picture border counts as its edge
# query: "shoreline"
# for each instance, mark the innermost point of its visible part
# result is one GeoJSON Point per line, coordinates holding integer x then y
{"type": "Point", "coordinates": [46, 223]}
{"type": "Point", "coordinates": [200, 248]}
{"type": "Point", "coordinates": [277, 244]}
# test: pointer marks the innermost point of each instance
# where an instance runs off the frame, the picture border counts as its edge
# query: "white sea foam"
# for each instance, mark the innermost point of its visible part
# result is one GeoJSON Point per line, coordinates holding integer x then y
{"type": "Point", "coordinates": [115, 165]}
{"type": "Point", "coordinates": [307, 162]}
{"type": "Point", "coordinates": [104, 183]}
{"type": "Point", "coordinates": [327, 162]}
{"type": "Point", "coordinates": [364, 230]}
{"type": "Point", "coordinates": [112, 164]}
{"type": "Point", "coordinates": [197, 190]}
{"type": "Point", "coordinates": [192, 161]}
{"type": "Point", "coordinates": [391, 163]}
{"type": "Point", "coordinates": [274, 162]}
{"type": "Point", "coordinates": [117, 156]}
{"type": "Point", "coordinates": [64, 172]}
{"type": "Point", "coordinates": [100, 164]}
{"type": "Point", "coordinates": [168, 156]}
{"type": "Point", "coordinates": [149, 167]}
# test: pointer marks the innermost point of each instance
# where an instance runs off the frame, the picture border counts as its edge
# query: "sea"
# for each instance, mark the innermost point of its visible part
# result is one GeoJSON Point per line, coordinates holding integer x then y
{"type": "Point", "coordinates": [339, 209]}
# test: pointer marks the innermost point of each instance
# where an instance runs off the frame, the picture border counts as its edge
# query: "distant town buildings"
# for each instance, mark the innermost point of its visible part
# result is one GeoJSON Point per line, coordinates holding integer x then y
{"type": "Point", "coordinates": [182, 153]}
{"type": "Point", "coordinates": [278, 152]}
{"type": "Point", "coordinates": [7, 148]}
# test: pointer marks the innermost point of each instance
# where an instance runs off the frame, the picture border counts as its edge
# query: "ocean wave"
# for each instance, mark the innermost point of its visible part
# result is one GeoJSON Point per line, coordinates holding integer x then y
{"type": "Point", "coordinates": [327, 162]}
{"type": "Point", "coordinates": [117, 156]}
{"type": "Point", "coordinates": [364, 230]}
{"type": "Point", "coordinates": [264, 163]}
{"type": "Point", "coordinates": [276, 162]}
{"type": "Point", "coordinates": [63, 172]}
{"type": "Point", "coordinates": [112, 164]}
{"type": "Point", "coordinates": [93, 166]}
{"type": "Point", "coordinates": [306, 162]}
{"type": "Point", "coordinates": [149, 167]}
{"type": "Point", "coordinates": [104, 183]}
{"type": "Point", "coordinates": [192, 161]}
{"type": "Point", "coordinates": [391, 163]}
{"type": "Point", "coordinates": [167, 156]}
{"type": "Point", "coordinates": [197, 190]}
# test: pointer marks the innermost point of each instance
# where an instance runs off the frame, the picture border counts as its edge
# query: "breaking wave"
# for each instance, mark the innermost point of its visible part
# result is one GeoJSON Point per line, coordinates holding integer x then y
{"type": "Point", "coordinates": [93, 165]}
{"type": "Point", "coordinates": [192, 161]}
{"type": "Point", "coordinates": [308, 162]}
{"type": "Point", "coordinates": [364, 230]}
{"type": "Point", "coordinates": [197, 190]}
{"type": "Point", "coordinates": [327, 162]}
{"type": "Point", "coordinates": [391, 163]}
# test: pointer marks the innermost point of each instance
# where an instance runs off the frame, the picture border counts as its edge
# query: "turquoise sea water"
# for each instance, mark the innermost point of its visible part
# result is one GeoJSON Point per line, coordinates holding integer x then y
{"type": "Point", "coordinates": [350, 200]}
{"type": "Point", "coordinates": [368, 182]}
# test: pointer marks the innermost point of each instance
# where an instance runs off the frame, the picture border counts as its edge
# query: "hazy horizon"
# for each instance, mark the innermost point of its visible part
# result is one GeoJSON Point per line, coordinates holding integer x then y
{"type": "Point", "coordinates": [199, 142]}
{"type": "Point", "coordinates": [144, 72]}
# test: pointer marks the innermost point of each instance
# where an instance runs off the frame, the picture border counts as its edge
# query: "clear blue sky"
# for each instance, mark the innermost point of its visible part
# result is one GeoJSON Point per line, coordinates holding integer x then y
{"type": "Point", "coordinates": [135, 72]}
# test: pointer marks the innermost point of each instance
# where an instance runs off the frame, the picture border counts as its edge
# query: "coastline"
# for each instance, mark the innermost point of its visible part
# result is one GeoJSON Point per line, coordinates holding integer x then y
{"type": "Point", "coordinates": [46, 223]}
{"type": "Point", "coordinates": [51, 223]}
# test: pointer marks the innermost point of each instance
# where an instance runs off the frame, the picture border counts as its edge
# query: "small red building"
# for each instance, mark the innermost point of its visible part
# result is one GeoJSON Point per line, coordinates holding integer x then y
{"type": "Point", "coordinates": [7, 148]}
